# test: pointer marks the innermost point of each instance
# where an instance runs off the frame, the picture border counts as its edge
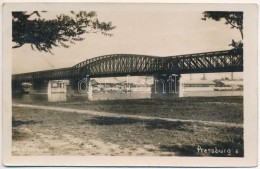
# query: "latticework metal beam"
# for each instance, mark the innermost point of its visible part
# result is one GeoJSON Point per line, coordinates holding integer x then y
{"type": "Point", "coordinates": [128, 64]}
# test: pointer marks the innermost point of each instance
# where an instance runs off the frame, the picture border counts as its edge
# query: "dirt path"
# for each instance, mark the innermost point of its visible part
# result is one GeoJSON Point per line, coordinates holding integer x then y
{"type": "Point", "coordinates": [105, 114]}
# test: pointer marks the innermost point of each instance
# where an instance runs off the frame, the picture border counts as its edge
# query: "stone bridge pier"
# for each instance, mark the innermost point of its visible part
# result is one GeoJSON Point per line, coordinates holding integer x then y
{"type": "Point", "coordinates": [166, 86]}
{"type": "Point", "coordinates": [80, 87]}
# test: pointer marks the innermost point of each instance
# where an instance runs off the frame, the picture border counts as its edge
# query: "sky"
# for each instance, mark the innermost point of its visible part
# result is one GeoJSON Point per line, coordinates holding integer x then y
{"type": "Point", "coordinates": [138, 31]}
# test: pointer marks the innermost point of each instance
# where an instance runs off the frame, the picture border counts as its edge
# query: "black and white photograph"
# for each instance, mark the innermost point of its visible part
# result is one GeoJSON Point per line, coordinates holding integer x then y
{"type": "Point", "coordinates": [130, 80]}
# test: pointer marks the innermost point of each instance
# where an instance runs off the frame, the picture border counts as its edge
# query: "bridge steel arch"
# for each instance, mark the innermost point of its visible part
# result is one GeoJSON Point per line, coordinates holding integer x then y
{"type": "Point", "coordinates": [124, 64]}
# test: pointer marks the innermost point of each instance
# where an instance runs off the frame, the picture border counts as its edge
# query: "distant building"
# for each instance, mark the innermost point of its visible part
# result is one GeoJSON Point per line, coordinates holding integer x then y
{"type": "Point", "coordinates": [111, 85]}
{"type": "Point", "coordinates": [229, 85]}
{"type": "Point", "coordinates": [26, 87]}
{"type": "Point", "coordinates": [198, 85]}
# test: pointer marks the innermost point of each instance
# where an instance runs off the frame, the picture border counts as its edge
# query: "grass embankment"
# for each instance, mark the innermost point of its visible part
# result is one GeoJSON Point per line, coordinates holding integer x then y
{"type": "Point", "coordinates": [222, 109]}
{"type": "Point", "coordinates": [69, 133]}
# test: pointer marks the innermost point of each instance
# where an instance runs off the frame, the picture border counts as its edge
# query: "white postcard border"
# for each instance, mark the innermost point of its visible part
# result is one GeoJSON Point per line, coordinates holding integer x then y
{"type": "Point", "coordinates": [250, 103]}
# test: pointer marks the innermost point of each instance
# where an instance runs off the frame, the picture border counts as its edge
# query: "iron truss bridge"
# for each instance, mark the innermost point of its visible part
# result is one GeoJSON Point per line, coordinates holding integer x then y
{"type": "Point", "coordinates": [138, 65]}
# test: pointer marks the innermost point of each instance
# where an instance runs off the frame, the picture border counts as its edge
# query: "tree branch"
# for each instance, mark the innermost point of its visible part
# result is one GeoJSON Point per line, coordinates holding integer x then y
{"type": "Point", "coordinates": [43, 34]}
{"type": "Point", "coordinates": [232, 24]}
{"type": "Point", "coordinates": [238, 27]}
{"type": "Point", "coordinates": [241, 32]}
{"type": "Point", "coordinates": [17, 46]}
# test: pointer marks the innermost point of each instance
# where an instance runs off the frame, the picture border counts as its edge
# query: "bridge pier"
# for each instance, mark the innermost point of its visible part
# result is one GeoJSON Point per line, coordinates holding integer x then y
{"type": "Point", "coordinates": [80, 87]}
{"type": "Point", "coordinates": [166, 86]}
{"type": "Point", "coordinates": [39, 87]}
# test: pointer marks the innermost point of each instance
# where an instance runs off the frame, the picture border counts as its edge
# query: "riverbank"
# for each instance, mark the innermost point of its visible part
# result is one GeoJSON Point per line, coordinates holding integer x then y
{"type": "Point", "coordinates": [220, 109]}
{"type": "Point", "coordinates": [52, 132]}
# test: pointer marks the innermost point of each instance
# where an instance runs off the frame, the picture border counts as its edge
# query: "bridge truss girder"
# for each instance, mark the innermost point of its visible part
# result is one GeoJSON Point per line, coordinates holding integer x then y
{"type": "Point", "coordinates": [128, 64]}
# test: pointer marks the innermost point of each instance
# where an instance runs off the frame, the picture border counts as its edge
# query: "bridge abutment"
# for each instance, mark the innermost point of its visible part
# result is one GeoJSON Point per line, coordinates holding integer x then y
{"type": "Point", "coordinates": [80, 87]}
{"type": "Point", "coordinates": [166, 86]}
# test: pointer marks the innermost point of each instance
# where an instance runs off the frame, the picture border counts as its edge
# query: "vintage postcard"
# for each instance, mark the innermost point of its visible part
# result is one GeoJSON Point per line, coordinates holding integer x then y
{"type": "Point", "coordinates": [130, 84]}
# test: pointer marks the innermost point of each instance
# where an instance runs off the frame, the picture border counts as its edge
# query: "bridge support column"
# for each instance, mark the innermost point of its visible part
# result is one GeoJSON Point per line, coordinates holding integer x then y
{"type": "Point", "coordinates": [80, 87]}
{"type": "Point", "coordinates": [39, 87]}
{"type": "Point", "coordinates": [166, 86]}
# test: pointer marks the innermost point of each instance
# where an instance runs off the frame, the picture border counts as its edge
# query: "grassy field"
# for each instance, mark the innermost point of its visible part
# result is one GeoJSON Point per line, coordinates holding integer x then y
{"type": "Point", "coordinates": [46, 132]}
{"type": "Point", "coordinates": [223, 109]}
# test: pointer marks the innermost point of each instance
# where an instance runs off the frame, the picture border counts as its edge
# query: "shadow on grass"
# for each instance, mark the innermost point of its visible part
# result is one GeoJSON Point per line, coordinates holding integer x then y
{"type": "Point", "coordinates": [17, 123]}
{"type": "Point", "coordinates": [218, 150]}
{"type": "Point", "coordinates": [19, 135]}
{"type": "Point", "coordinates": [149, 123]}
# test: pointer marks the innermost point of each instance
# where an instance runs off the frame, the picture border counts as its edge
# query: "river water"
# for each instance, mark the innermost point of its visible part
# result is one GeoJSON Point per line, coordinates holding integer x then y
{"type": "Point", "coordinates": [62, 97]}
